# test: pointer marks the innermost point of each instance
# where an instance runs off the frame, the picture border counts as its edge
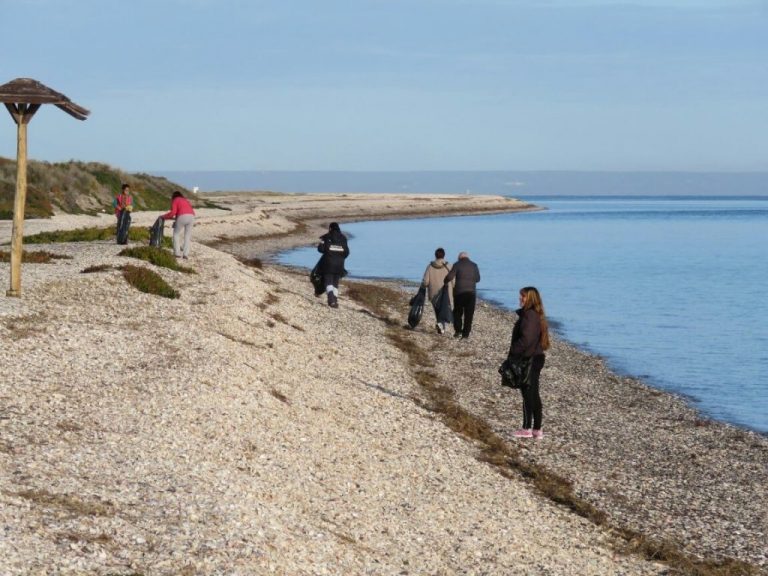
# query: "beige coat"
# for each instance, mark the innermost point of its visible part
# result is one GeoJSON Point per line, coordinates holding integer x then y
{"type": "Point", "coordinates": [434, 276]}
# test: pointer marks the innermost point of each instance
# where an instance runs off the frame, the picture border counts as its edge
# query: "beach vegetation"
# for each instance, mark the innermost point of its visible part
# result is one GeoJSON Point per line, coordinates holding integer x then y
{"type": "Point", "coordinates": [38, 257]}
{"type": "Point", "coordinates": [510, 462]}
{"type": "Point", "coordinates": [69, 503]}
{"type": "Point", "coordinates": [300, 227]}
{"type": "Point", "coordinates": [138, 234]}
{"type": "Point", "coordinates": [279, 395]}
{"type": "Point", "coordinates": [156, 256]}
{"type": "Point", "coordinates": [75, 187]}
{"type": "Point", "coordinates": [96, 268]}
{"type": "Point", "coordinates": [148, 281]}
{"type": "Point", "coordinates": [381, 301]}
{"type": "Point", "coordinates": [253, 262]}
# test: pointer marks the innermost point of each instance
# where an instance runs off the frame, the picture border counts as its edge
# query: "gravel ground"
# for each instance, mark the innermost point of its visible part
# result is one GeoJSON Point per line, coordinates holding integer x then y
{"type": "Point", "coordinates": [244, 428]}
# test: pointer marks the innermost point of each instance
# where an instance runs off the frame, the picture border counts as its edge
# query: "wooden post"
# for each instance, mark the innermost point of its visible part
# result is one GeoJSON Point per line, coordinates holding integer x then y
{"type": "Point", "coordinates": [22, 114]}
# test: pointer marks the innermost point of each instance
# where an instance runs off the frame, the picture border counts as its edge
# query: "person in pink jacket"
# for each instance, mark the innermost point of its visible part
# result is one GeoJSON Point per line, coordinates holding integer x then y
{"type": "Point", "coordinates": [184, 217]}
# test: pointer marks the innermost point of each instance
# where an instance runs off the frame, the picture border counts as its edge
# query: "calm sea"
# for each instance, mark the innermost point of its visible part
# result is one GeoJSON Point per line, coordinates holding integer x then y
{"type": "Point", "coordinates": [671, 289]}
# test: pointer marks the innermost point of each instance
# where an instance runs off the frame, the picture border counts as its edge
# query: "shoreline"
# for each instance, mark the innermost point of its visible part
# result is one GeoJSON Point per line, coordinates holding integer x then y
{"type": "Point", "coordinates": [227, 411]}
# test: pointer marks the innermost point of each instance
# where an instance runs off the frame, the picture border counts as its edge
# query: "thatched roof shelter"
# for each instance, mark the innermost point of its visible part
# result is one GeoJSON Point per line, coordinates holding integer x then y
{"type": "Point", "coordinates": [28, 91]}
{"type": "Point", "coordinates": [22, 98]}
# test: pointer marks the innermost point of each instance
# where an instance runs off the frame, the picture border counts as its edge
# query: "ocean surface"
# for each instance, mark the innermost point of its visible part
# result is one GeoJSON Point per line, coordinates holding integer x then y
{"type": "Point", "coordinates": [673, 289]}
{"type": "Point", "coordinates": [507, 183]}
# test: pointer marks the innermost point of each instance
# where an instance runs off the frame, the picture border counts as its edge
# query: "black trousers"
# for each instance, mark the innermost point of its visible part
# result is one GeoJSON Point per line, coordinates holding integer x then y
{"type": "Point", "coordinates": [463, 312]}
{"type": "Point", "coordinates": [532, 408]}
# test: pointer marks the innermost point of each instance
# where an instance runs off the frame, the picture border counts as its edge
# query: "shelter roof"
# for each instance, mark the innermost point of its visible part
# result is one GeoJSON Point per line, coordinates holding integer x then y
{"type": "Point", "coordinates": [29, 91]}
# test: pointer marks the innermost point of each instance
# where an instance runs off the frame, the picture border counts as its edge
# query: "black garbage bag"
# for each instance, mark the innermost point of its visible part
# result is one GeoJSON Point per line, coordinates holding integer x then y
{"type": "Point", "coordinates": [123, 225]}
{"type": "Point", "coordinates": [316, 277]}
{"type": "Point", "coordinates": [417, 307]}
{"type": "Point", "coordinates": [442, 304]}
{"type": "Point", "coordinates": [156, 232]}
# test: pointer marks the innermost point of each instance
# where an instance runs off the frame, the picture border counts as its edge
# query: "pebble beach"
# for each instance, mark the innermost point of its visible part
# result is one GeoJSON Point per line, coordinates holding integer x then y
{"type": "Point", "coordinates": [248, 428]}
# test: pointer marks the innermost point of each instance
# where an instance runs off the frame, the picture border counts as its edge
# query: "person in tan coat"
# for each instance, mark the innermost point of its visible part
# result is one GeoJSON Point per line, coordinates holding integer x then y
{"type": "Point", "coordinates": [434, 282]}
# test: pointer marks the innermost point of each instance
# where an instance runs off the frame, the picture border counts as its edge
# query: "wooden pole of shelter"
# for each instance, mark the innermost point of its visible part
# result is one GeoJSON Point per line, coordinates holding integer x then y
{"type": "Point", "coordinates": [22, 97]}
{"type": "Point", "coordinates": [22, 114]}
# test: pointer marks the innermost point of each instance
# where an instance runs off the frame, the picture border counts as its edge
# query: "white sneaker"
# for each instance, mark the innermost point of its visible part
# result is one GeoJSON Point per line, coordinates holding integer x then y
{"type": "Point", "coordinates": [440, 328]}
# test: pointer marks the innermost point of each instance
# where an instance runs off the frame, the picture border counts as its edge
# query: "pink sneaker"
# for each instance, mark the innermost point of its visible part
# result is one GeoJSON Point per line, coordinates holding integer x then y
{"type": "Point", "coordinates": [523, 433]}
{"type": "Point", "coordinates": [538, 434]}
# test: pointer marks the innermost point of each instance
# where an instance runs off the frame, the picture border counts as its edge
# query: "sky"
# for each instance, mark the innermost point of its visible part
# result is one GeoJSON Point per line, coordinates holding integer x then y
{"type": "Point", "coordinates": [395, 84]}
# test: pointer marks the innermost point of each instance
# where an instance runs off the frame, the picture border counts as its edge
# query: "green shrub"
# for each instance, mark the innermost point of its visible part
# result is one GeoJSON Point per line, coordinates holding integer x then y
{"type": "Point", "coordinates": [148, 281]}
{"type": "Point", "coordinates": [156, 256]}
{"type": "Point", "coordinates": [92, 234]}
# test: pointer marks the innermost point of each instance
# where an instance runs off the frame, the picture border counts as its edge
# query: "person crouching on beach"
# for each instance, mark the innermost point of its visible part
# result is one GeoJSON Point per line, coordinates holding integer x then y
{"type": "Point", "coordinates": [334, 250]}
{"type": "Point", "coordinates": [184, 217]}
{"type": "Point", "coordinates": [433, 278]}
{"type": "Point", "coordinates": [530, 338]}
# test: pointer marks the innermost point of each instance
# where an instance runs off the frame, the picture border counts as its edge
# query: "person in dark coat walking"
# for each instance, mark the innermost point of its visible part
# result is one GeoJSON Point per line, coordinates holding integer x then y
{"type": "Point", "coordinates": [334, 250]}
{"type": "Point", "coordinates": [530, 338]}
{"type": "Point", "coordinates": [467, 275]}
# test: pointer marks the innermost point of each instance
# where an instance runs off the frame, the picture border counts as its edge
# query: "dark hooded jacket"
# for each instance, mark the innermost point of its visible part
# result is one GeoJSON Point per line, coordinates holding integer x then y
{"type": "Point", "coordinates": [334, 249]}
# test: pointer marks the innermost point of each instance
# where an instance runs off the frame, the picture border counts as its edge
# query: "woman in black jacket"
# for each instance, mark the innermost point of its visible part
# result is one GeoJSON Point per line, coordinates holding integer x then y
{"type": "Point", "coordinates": [333, 247]}
{"type": "Point", "coordinates": [530, 338]}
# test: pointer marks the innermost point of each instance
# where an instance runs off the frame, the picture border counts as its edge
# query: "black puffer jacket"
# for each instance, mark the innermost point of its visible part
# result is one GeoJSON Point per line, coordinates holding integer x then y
{"type": "Point", "coordinates": [334, 249]}
{"type": "Point", "coordinates": [467, 275]}
{"type": "Point", "coordinates": [526, 335]}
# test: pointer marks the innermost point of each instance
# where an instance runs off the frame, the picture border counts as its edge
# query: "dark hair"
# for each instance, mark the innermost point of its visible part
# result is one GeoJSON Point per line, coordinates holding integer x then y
{"type": "Point", "coordinates": [334, 226]}
{"type": "Point", "coordinates": [177, 194]}
{"type": "Point", "coordinates": [124, 186]}
{"type": "Point", "coordinates": [439, 253]}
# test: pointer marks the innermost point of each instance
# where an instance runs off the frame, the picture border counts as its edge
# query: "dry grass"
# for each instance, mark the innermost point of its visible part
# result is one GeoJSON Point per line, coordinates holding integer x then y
{"type": "Point", "coordinates": [236, 339]}
{"type": "Point", "coordinates": [37, 257]}
{"type": "Point", "coordinates": [253, 262]}
{"type": "Point", "coordinates": [278, 317]}
{"type": "Point", "coordinates": [71, 536]}
{"type": "Point", "coordinates": [509, 461]}
{"type": "Point", "coordinates": [68, 426]}
{"type": "Point", "coordinates": [379, 300]}
{"type": "Point", "coordinates": [299, 229]}
{"type": "Point", "coordinates": [26, 326]}
{"type": "Point", "coordinates": [96, 268]}
{"type": "Point", "coordinates": [72, 504]}
{"type": "Point", "coordinates": [279, 395]}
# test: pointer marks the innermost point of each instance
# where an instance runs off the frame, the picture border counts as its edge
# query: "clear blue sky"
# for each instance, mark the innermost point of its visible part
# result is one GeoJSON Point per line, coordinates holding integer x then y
{"type": "Point", "coordinates": [395, 84]}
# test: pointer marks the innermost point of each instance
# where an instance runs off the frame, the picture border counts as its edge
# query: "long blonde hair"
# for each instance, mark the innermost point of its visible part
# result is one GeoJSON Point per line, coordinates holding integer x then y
{"type": "Point", "coordinates": [532, 300]}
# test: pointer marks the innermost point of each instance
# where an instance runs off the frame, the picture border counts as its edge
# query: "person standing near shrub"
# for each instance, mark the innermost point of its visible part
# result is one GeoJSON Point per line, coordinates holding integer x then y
{"type": "Point", "coordinates": [467, 275]}
{"type": "Point", "coordinates": [433, 279]}
{"type": "Point", "coordinates": [184, 217]}
{"type": "Point", "coordinates": [530, 338]}
{"type": "Point", "coordinates": [123, 205]}
{"type": "Point", "coordinates": [334, 250]}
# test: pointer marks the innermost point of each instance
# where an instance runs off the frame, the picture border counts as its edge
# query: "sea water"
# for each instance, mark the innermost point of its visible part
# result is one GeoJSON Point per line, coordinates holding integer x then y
{"type": "Point", "coordinates": [670, 289]}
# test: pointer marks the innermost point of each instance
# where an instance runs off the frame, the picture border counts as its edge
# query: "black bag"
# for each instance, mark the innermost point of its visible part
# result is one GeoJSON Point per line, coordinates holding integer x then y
{"type": "Point", "coordinates": [316, 277]}
{"type": "Point", "coordinates": [515, 371]}
{"type": "Point", "coordinates": [442, 305]}
{"type": "Point", "coordinates": [417, 307]}
{"type": "Point", "coordinates": [123, 225]}
{"type": "Point", "coordinates": [156, 232]}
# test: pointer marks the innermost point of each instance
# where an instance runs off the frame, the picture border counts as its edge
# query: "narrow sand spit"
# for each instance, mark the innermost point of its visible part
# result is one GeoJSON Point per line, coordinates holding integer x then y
{"type": "Point", "coordinates": [246, 428]}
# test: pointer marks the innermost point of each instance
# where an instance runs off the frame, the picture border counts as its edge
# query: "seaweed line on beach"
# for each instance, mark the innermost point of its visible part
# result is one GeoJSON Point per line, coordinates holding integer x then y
{"type": "Point", "coordinates": [509, 461]}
